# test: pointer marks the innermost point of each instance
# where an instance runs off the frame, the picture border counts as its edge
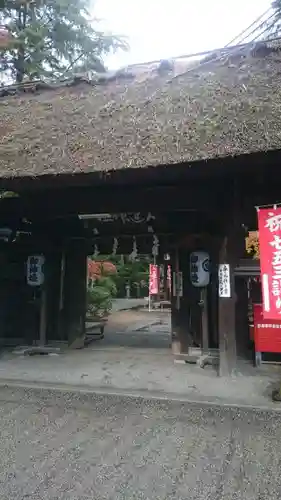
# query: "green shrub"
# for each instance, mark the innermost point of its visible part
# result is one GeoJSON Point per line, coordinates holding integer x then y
{"type": "Point", "coordinates": [107, 283]}
{"type": "Point", "coordinates": [99, 297]}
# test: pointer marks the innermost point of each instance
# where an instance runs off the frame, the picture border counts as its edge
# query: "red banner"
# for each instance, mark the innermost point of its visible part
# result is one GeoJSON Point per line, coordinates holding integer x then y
{"type": "Point", "coordinates": [267, 335]}
{"type": "Point", "coordinates": [269, 220]}
{"type": "Point", "coordinates": [153, 279]}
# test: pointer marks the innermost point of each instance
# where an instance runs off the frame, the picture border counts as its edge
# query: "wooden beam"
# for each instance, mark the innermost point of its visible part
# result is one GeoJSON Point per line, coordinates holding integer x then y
{"type": "Point", "coordinates": [92, 200]}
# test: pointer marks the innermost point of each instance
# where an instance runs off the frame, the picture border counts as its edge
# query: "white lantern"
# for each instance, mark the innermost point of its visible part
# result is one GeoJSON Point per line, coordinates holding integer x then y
{"type": "Point", "coordinates": [199, 269]}
{"type": "Point", "coordinates": [35, 270]}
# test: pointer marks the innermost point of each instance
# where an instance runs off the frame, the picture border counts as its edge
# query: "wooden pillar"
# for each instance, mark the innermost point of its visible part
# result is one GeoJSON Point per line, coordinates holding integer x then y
{"type": "Point", "coordinates": [205, 320]}
{"type": "Point", "coordinates": [231, 249]}
{"type": "Point", "coordinates": [186, 311]}
{"type": "Point", "coordinates": [227, 340]}
{"type": "Point", "coordinates": [175, 305]}
{"type": "Point", "coordinates": [213, 293]}
{"type": "Point", "coordinates": [75, 295]}
{"type": "Point", "coordinates": [54, 332]}
{"type": "Point", "coordinates": [242, 324]}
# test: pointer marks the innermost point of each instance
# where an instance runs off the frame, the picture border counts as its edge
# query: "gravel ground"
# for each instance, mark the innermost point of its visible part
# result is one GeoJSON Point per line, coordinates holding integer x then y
{"type": "Point", "coordinates": [58, 445]}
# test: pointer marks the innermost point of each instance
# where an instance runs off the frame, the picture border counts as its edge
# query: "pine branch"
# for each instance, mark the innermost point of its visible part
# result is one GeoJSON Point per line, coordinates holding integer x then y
{"type": "Point", "coordinates": [52, 36]}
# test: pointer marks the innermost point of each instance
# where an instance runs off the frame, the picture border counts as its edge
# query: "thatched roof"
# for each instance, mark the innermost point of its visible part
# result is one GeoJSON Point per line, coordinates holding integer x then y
{"type": "Point", "coordinates": [228, 104]}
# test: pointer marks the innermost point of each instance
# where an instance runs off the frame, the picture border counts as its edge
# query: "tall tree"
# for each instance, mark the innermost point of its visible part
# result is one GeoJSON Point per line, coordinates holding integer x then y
{"type": "Point", "coordinates": [50, 37]}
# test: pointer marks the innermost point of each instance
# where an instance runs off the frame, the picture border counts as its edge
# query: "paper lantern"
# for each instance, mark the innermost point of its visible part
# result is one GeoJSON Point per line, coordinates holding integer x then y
{"type": "Point", "coordinates": [199, 269]}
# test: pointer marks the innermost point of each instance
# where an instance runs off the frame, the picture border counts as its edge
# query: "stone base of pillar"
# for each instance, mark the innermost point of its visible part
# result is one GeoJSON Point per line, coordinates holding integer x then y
{"type": "Point", "coordinates": [176, 346]}
{"type": "Point", "coordinates": [78, 343]}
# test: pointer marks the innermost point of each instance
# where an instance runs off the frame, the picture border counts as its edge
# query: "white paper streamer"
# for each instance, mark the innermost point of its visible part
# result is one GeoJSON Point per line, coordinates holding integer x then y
{"type": "Point", "coordinates": [133, 255]}
{"type": "Point", "coordinates": [115, 246]}
{"type": "Point", "coordinates": [96, 251]}
{"type": "Point", "coordinates": [155, 246]}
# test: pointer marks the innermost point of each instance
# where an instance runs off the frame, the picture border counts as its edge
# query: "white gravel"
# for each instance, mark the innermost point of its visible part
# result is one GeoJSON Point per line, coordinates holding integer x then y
{"type": "Point", "coordinates": [57, 445]}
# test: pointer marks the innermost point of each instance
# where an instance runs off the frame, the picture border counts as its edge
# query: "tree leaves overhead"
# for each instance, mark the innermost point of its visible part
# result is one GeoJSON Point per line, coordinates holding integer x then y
{"type": "Point", "coordinates": [50, 38]}
{"type": "Point", "coordinates": [276, 5]}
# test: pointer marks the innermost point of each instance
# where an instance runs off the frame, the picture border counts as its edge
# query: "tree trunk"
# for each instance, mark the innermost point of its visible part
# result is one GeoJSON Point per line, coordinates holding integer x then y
{"type": "Point", "coordinates": [22, 15]}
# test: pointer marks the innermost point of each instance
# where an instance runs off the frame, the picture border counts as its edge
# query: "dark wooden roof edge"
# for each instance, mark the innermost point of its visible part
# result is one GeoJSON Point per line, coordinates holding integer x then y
{"type": "Point", "coordinates": [162, 174]}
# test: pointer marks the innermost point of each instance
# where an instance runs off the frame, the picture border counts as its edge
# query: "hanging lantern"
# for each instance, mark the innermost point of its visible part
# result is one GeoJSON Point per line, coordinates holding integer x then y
{"type": "Point", "coordinates": [199, 269]}
{"type": "Point", "coordinates": [35, 270]}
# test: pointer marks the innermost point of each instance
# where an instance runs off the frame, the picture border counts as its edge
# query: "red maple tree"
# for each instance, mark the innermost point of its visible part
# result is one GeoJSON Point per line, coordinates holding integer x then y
{"type": "Point", "coordinates": [97, 268]}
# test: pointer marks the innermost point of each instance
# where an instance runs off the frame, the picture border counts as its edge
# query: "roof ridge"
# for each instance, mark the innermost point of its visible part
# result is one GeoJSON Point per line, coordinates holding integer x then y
{"type": "Point", "coordinates": [260, 48]}
{"type": "Point", "coordinates": [90, 77]}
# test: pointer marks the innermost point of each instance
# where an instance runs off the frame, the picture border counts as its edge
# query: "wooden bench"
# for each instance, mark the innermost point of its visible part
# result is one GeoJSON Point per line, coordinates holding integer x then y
{"type": "Point", "coordinates": [94, 329]}
{"type": "Point", "coordinates": [161, 304]}
{"type": "Point", "coordinates": [164, 304]}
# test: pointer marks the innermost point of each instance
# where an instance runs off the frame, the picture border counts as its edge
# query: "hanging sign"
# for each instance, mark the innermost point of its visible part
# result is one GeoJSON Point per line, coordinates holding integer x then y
{"type": "Point", "coordinates": [224, 281]}
{"type": "Point", "coordinates": [177, 284]}
{"type": "Point", "coordinates": [199, 269]}
{"type": "Point", "coordinates": [269, 223]}
{"type": "Point", "coordinates": [35, 270]}
{"type": "Point", "coordinates": [153, 279]}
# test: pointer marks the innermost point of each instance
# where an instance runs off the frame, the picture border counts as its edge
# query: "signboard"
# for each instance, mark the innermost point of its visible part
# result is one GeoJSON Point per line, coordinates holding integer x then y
{"type": "Point", "coordinates": [224, 281]}
{"type": "Point", "coordinates": [35, 270]}
{"type": "Point", "coordinates": [267, 333]}
{"type": "Point", "coordinates": [153, 279]}
{"type": "Point", "coordinates": [199, 269]}
{"type": "Point", "coordinates": [269, 222]}
{"type": "Point", "coordinates": [177, 284]}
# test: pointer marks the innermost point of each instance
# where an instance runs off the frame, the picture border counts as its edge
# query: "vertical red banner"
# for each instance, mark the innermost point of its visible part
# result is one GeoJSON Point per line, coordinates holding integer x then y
{"type": "Point", "coordinates": [269, 221]}
{"type": "Point", "coordinates": [153, 279]}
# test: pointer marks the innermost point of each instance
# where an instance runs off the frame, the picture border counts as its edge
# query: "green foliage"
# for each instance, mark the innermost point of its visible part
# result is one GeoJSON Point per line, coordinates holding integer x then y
{"type": "Point", "coordinates": [50, 38]}
{"type": "Point", "coordinates": [135, 274]}
{"type": "Point", "coordinates": [100, 295]}
{"type": "Point", "coordinates": [8, 194]}
{"type": "Point", "coordinates": [99, 301]}
{"type": "Point", "coordinates": [107, 283]}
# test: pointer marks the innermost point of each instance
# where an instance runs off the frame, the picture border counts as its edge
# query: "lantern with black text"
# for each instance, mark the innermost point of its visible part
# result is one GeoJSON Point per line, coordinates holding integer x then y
{"type": "Point", "coordinates": [199, 269]}
{"type": "Point", "coordinates": [35, 270]}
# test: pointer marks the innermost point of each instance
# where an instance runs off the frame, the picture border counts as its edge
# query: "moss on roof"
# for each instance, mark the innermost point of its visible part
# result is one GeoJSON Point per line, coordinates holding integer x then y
{"type": "Point", "coordinates": [223, 106]}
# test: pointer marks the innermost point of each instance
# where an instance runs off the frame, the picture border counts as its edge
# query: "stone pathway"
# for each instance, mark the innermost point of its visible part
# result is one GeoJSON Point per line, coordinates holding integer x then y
{"type": "Point", "coordinates": [146, 371]}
